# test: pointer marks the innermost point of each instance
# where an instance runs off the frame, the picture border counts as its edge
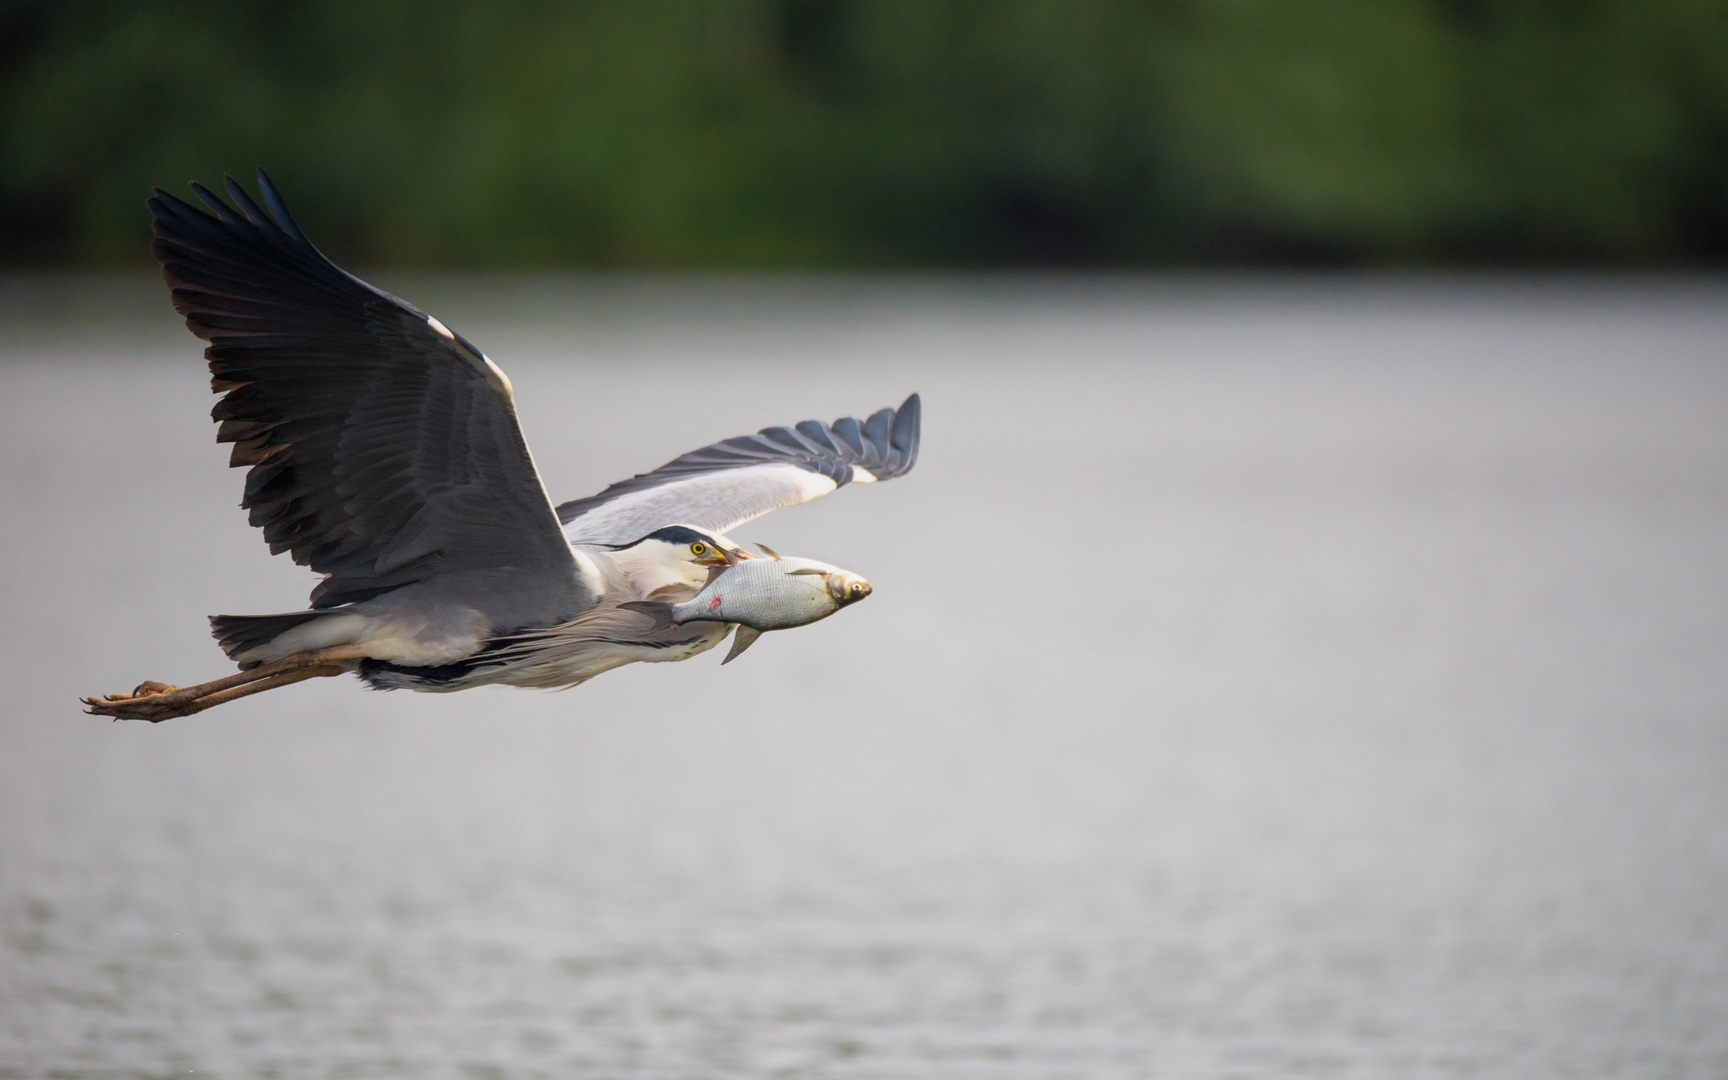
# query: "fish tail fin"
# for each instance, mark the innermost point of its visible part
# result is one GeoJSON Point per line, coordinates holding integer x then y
{"type": "Point", "coordinates": [660, 613]}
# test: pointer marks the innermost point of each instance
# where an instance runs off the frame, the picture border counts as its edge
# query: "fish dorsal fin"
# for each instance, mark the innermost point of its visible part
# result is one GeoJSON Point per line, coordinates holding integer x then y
{"type": "Point", "coordinates": [743, 639]}
{"type": "Point", "coordinates": [714, 572]}
{"type": "Point", "coordinates": [768, 551]}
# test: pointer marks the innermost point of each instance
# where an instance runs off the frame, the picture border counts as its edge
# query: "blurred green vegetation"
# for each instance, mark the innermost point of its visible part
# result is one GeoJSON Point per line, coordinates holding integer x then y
{"type": "Point", "coordinates": [884, 133]}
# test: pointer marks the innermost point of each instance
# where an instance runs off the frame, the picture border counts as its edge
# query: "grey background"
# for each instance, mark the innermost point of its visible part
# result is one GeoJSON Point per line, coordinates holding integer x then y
{"type": "Point", "coordinates": [1263, 678]}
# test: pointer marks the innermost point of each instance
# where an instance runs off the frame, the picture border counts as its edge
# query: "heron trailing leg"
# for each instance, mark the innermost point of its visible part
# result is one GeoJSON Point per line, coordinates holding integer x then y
{"type": "Point", "coordinates": [155, 702]}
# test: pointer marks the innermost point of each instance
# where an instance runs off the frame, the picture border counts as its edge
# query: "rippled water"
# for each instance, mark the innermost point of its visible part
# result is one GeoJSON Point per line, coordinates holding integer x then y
{"type": "Point", "coordinates": [1262, 679]}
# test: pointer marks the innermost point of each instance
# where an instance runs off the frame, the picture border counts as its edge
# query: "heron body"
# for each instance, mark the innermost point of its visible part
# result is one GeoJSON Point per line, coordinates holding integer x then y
{"type": "Point", "coordinates": [383, 451]}
{"type": "Point", "coordinates": [454, 649]}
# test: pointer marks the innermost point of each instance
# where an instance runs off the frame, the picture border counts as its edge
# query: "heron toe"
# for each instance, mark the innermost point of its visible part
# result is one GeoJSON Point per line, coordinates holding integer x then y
{"type": "Point", "coordinates": [126, 707]}
{"type": "Point", "coordinates": [149, 700]}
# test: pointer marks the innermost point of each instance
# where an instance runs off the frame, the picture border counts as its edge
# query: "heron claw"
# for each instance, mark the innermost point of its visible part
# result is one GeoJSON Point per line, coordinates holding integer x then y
{"type": "Point", "coordinates": [143, 703]}
{"type": "Point", "coordinates": [156, 702]}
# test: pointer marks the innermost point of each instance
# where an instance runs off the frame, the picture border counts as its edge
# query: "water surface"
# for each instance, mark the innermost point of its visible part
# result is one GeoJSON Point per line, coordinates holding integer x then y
{"type": "Point", "coordinates": [1262, 679]}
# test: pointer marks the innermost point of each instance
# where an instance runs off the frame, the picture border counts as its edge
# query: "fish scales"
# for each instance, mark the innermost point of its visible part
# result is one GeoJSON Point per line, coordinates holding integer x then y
{"type": "Point", "coordinates": [772, 594]}
{"type": "Point", "coordinates": [761, 594]}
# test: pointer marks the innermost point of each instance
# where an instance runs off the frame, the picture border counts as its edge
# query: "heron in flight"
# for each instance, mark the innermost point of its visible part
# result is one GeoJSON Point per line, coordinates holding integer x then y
{"type": "Point", "coordinates": [384, 452]}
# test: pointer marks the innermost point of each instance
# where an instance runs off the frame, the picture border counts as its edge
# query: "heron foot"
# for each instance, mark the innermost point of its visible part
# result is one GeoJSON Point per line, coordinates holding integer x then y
{"type": "Point", "coordinates": [156, 701]}
{"type": "Point", "coordinates": [150, 700]}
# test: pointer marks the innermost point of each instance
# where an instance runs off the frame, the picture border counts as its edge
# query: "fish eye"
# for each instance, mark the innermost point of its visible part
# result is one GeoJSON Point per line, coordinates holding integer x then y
{"type": "Point", "coordinates": [698, 549]}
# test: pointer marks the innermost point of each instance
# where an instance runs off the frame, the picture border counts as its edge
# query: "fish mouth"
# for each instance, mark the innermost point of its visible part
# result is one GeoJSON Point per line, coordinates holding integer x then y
{"type": "Point", "coordinates": [847, 588]}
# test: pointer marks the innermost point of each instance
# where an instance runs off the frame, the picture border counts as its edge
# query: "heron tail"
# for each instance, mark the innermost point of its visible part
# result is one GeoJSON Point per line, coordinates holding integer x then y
{"type": "Point", "coordinates": [242, 633]}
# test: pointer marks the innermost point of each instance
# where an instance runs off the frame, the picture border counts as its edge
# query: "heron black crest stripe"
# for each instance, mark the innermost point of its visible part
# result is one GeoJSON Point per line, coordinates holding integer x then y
{"type": "Point", "coordinates": [671, 534]}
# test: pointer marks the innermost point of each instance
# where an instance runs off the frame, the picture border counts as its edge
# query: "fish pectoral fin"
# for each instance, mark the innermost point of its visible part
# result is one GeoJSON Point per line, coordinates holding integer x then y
{"type": "Point", "coordinates": [768, 551]}
{"type": "Point", "coordinates": [660, 613]}
{"type": "Point", "coordinates": [743, 639]}
{"type": "Point", "coordinates": [805, 570]}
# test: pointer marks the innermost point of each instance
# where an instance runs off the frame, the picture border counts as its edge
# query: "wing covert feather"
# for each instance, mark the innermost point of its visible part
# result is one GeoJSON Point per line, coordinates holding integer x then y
{"type": "Point", "coordinates": [736, 480]}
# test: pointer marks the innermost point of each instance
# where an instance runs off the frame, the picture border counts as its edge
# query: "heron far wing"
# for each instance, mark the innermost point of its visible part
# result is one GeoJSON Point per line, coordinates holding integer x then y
{"type": "Point", "coordinates": [724, 485]}
{"type": "Point", "coordinates": [383, 449]}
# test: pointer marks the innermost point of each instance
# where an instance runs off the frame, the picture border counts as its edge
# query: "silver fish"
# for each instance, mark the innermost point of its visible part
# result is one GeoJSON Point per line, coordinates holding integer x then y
{"type": "Point", "coordinates": [760, 594]}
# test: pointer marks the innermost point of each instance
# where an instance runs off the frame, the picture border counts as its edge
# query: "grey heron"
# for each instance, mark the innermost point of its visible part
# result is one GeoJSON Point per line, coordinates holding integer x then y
{"type": "Point", "coordinates": [383, 451]}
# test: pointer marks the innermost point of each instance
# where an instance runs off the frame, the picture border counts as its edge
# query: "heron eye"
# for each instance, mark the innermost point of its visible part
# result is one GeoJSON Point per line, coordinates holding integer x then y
{"type": "Point", "coordinates": [698, 549]}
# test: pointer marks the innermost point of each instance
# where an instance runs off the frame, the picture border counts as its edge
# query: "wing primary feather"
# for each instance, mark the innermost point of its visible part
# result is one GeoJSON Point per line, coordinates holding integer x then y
{"type": "Point", "coordinates": [278, 208]}
{"type": "Point", "coordinates": [876, 432]}
{"type": "Point", "coordinates": [260, 220]}
{"type": "Point", "coordinates": [786, 437]}
{"type": "Point", "coordinates": [223, 212]}
{"type": "Point", "coordinates": [907, 424]}
{"type": "Point", "coordinates": [814, 431]}
{"type": "Point", "coordinates": [846, 429]}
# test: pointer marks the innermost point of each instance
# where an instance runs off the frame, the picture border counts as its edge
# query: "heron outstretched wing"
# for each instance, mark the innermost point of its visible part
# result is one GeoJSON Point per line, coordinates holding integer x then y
{"type": "Point", "coordinates": [384, 449]}
{"type": "Point", "coordinates": [724, 485]}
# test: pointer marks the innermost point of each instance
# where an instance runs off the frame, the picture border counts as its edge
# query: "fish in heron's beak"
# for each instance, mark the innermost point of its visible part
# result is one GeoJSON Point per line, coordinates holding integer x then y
{"type": "Point", "coordinates": [760, 594]}
{"type": "Point", "coordinates": [764, 594]}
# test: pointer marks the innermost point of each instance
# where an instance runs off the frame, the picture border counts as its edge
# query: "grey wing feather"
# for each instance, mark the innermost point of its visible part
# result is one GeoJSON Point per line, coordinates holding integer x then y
{"type": "Point", "coordinates": [724, 485]}
{"type": "Point", "coordinates": [384, 451]}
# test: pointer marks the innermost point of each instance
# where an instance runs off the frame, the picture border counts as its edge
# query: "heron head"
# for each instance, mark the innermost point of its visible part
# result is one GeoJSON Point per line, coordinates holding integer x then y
{"type": "Point", "coordinates": [682, 551]}
{"type": "Point", "coordinates": [846, 587]}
